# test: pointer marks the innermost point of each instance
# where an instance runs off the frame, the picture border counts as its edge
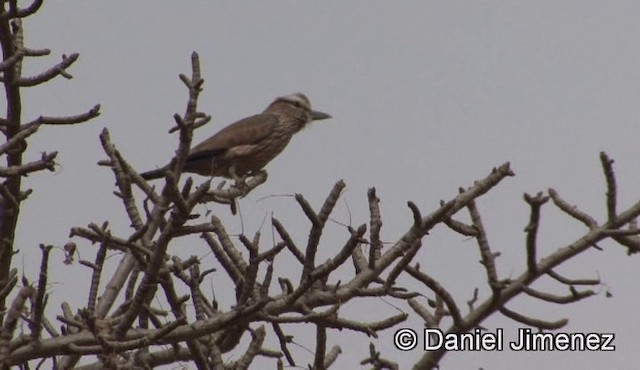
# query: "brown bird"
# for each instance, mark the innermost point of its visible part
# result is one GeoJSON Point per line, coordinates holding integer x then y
{"type": "Point", "coordinates": [246, 146]}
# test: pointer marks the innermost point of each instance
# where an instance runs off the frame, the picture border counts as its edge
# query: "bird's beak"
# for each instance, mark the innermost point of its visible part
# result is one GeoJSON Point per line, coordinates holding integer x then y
{"type": "Point", "coordinates": [317, 116]}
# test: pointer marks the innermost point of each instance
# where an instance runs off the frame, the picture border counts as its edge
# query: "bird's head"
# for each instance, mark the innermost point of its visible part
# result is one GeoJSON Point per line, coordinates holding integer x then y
{"type": "Point", "coordinates": [297, 105]}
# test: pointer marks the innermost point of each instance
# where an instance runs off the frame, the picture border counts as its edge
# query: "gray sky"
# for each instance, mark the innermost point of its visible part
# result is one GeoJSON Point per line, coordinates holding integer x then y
{"type": "Point", "coordinates": [426, 97]}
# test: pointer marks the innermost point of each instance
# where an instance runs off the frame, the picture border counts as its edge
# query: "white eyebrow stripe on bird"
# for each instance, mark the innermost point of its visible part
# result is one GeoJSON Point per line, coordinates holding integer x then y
{"type": "Point", "coordinates": [297, 98]}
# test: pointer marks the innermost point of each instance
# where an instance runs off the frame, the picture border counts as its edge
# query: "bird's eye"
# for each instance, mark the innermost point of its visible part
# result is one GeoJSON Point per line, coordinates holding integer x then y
{"type": "Point", "coordinates": [296, 104]}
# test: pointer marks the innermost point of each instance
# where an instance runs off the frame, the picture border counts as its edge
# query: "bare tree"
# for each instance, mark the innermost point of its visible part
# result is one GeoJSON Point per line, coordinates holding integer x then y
{"type": "Point", "coordinates": [129, 330]}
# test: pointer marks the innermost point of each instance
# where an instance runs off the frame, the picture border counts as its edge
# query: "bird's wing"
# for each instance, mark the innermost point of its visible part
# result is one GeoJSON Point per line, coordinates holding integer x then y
{"type": "Point", "coordinates": [243, 133]}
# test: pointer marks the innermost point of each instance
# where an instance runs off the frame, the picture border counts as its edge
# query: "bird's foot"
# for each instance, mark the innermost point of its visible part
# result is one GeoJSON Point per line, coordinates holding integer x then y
{"type": "Point", "coordinates": [240, 183]}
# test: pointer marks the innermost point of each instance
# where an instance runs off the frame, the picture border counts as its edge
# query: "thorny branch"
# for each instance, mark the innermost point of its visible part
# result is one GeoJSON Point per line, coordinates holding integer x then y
{"type": "Point", "coordinates": [124, 323]}
{"type": "Point", "coordinates": [540, 268]}
{"type": "Point", "coordinates": [19, 163]}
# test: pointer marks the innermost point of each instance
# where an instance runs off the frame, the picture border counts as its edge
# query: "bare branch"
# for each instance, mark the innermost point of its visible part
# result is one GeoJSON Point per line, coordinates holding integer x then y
{"type": "Point", "coordinates": [607, 167]}
{"type": "Point", "coordinates": [57, 70]}
{"type": "Point", "coordinates": [572, 210]}
{"type": "Point", "coordinates": [440, 291]}
{"type": "Point", "coordinates": [532, 228]}
{"type": "Point", "coordinates": [377, 361]}
{"type": "Point", "coordinates": [234, 255]}
{"type": "Point", "coordinates": [284, 339]}
{"type": "Point", "coordinates": [321, 347]}
{"type": "Point", "coordinates": [258, 336]}
{"type": "Point", "coordinates": [422, 311]}
{"type": "Point", "coordinates": [375, 222]}
{"type": "Point", "coordinates": [232, 270]}
{"type": "Point", "coordinates": [46, 162]}
{"type": "Point", "coordinates": [11, 320]}
{"type": "Point", "coordinates": [548, 297]}
{"type": "Point", "coordinates": [488, 258]}
{"type": "Point", "coordinates": [461, 228]}
{"type": "Point", "coordinates": [566, 281]}
{"type": "Point", "coordinates": [536, 323]}
{"type": "Point", "coordinates": [318, 221]}
{"type": "Point", "coordinates": [37, 313]}
{"type": "Point", "coordinates": [286, 238]}
{"type": "Point", "coordinates": [14, 12]}
{"type": "Point", "coordinates": [67, 120]}
{"type": "Point", "coordinates": [17, 141]}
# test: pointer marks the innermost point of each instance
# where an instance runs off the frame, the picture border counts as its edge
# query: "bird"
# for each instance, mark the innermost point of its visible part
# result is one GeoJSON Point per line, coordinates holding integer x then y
{"type": "Point", "coordinates": [248, 145]}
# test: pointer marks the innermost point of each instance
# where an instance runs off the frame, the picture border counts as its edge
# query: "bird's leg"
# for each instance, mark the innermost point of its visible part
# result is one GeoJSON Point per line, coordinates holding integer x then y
{"type": "Point", "coordinates": [239, 180]}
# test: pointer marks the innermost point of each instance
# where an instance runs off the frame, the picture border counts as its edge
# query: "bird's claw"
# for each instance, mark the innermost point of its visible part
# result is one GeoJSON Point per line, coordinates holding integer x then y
{"type": "Point", "coordinates": [240, 183]}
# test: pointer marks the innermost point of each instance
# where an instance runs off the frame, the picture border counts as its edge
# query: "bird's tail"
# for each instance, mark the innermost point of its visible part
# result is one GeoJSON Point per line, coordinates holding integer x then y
{"type": "Point", "coordinates": [154, 174]}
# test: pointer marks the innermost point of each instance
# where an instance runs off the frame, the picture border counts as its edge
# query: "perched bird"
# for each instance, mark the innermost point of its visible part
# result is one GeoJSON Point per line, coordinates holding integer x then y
{"type": "Point", "coordinates": [246, 146]}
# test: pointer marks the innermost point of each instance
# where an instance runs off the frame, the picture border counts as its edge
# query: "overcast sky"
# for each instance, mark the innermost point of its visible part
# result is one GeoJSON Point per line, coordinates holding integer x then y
{"type": "Point", "coordinates": [426, 97]}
